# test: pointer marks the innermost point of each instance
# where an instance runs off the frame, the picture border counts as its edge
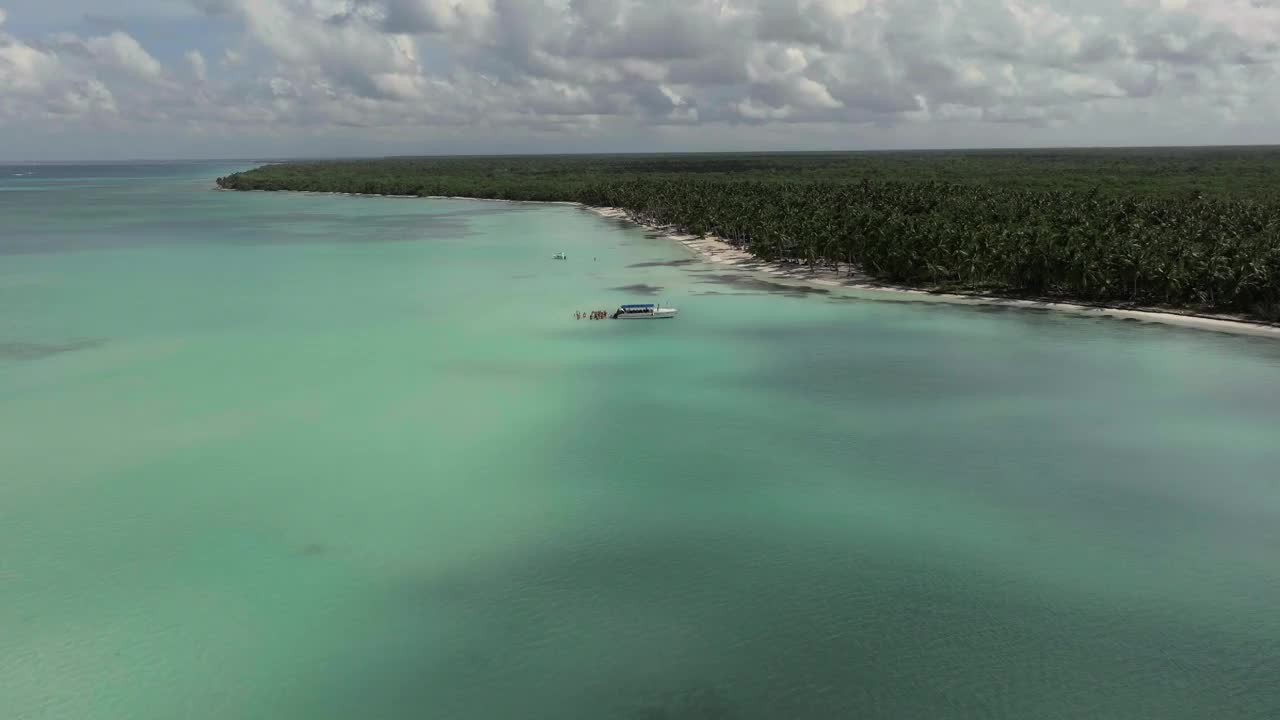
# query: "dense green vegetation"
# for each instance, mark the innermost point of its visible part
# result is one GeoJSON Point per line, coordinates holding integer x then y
{"type": "Point", "coordinates": [1196, 228]}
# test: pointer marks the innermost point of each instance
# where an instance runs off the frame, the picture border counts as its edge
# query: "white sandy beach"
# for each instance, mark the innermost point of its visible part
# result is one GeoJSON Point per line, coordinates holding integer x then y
{"type": "Point", "coordinates": [716, 250]}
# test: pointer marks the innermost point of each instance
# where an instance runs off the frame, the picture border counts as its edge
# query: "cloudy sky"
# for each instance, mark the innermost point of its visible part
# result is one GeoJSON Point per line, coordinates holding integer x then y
{"type": "Point", "coordinates": [104, 79]}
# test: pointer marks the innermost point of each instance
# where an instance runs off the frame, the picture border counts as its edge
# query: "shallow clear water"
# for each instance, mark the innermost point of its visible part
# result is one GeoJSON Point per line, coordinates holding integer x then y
{"type": "Point", "coordinates": [291, 456]}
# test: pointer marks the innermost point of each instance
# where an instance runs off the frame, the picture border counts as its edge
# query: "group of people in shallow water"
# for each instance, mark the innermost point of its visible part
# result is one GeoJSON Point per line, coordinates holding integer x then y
{"type": "Point", "coordinates": [593, 315]}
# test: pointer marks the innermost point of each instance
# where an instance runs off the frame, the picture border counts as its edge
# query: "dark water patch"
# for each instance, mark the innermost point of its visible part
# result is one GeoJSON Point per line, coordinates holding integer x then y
{"type": "Point", "coordinates": [325, 231]}
{"type": "Point", "coordinates": [806, 624]}
{"type": "Point", "coordinates": [196, 233]}
{"type": "Point", "coordinates": [703, 703]}
{"type": "Point", "coordinates": [859, 358]}
{"type": "Point", "coordinates": [488, 209]}
{"type": "Point", "coordinates": [639, 289]}
{"type": "Point", "coordinates": [917, 303]}
{"type": "Point", "coordinates": [663, 263]}
{"type": "Point", "coordinates": [1006, 309]}
{"type": "Point", "coordinates": [14, 350]}
{"type": "Point", "coordinates": [313, 549]}
{"type": "Point", "coordinates": [751, 283]}
{"type": "Point", "coordinates": [435, 223]}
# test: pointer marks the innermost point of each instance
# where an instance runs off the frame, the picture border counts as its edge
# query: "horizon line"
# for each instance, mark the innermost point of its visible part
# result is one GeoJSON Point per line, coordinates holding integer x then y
{"type": "Point", "coordinates": [901, 150]}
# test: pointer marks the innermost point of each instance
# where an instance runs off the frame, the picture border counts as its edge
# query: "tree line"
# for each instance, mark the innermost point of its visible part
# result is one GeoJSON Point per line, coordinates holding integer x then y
{"type": "Point", "coordinates": [1190, 249]}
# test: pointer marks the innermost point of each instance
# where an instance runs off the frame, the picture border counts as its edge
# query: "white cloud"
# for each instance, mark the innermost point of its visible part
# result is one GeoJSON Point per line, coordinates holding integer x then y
{"type": "Point", "coordinates": [199, 68]}
{"type": "Point", "coordinates": [122, 51]}
{"type": "Point", "coordinates": [629, 69]}
{"type": "Point", "coordinates": [36, 83]}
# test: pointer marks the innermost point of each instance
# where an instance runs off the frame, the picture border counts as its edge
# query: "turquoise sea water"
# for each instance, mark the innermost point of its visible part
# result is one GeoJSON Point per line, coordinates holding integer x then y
{"type": "Point", "coordinates": [291, 456]}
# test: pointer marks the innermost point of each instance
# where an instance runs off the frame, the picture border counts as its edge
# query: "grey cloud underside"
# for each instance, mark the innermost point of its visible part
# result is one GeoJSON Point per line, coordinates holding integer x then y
{"type": "Point", "coordinates": [582, 66]}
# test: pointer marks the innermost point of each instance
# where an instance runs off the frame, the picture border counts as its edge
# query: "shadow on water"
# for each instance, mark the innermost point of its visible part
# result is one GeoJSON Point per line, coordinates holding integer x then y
{"type": "Point", "coordinates": [639, 289]}
{"type": "Point", "coordinates": [121, 236]}
{"type": "Point", "coordinates": [664, 263]}
{"type": "Point", "coordinates": [314, 549]}
{"type": "Point", "coordinates": [644, 609]}
{"type": "Point", "coordinates": [488, 209]}
{"type": "Point", "coordinates": [1007, 309]}
{"type": "Point", "coordinates": [705, 703]}
{"type": "Point", "coordinates": [745, 282]}
{"type": "Point", "coordinates": [11, 350]}
{"type": "Point", "coordinates": [206, 224]}
{"type": "Point", "coordinates": [796, 627]}
{"type": "Point", "coordinates": [358, 230]}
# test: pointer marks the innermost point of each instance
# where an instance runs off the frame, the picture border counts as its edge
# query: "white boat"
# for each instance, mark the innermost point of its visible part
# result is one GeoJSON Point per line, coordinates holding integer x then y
{"type": "Point", "coordinates": [560, 256]}
{"type": "Point", "coordinates": [643, 312]}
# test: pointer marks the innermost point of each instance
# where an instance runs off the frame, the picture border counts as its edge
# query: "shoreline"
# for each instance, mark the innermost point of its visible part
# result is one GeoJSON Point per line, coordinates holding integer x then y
{"type": "Point", "coordinates": [717, 251]}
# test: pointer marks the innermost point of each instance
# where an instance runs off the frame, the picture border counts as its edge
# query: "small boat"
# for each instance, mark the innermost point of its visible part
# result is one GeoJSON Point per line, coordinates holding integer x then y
{"type": "Point", "coordinates": [643, 312]}
{"type": "Point", "coordinates": [560, 256]}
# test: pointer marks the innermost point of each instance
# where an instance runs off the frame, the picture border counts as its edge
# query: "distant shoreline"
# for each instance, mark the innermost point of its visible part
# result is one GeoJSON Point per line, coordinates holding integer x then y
{"type": "Point", "coordinates": [718, 251]}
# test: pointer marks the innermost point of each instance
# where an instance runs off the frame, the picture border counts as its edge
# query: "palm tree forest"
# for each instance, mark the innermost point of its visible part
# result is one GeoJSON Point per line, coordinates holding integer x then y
{"type": "Point", "coordinates": [1195, 229]}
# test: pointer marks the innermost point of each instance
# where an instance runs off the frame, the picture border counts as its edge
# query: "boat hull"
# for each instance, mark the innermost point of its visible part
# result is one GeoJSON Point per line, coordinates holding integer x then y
{"type": "Point", "coordinates": [663, 314]}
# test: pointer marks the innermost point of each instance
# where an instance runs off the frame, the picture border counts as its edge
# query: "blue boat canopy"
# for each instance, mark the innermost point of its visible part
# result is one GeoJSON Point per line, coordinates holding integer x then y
{"type": "Point", "coordinates": [637, 307]}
